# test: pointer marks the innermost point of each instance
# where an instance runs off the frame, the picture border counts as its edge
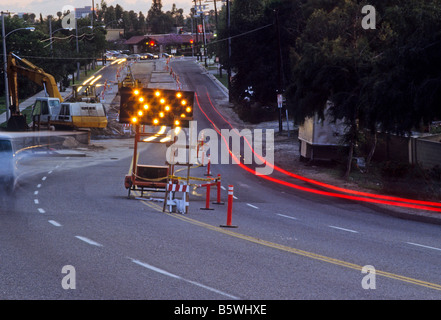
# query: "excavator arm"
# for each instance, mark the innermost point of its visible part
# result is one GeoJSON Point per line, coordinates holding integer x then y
{"type": "Point", "coordinates": [34, 74]}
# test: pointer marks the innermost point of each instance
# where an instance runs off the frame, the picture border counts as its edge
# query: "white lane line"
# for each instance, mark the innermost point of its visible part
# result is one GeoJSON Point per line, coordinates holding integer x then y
{"type": "Point", "coordinates": [250, 205]}
{"type": "Point", "coordinates": [49, 172]}
{"type": "Point", "coordinates": [343, 229]}
{"type": "Point", "coordinates": [41, 210]}
{"type": "Point", "coordinates": [421, 245]}
{"type": "Point", "coordinates": [39, 185]}
{"type": "Point", "coordinates": [289, 217]}
{"type": "Point", "coordinates": [168, 274]}
{"type": "Point", "coordinates": [87, 240]}
{"type": "Point", "coordinates": [44, 178]}
{"type": "Point", "coordinates": [223, 188]}
{"type": "Point", "coordinates": [234, 197]}
{"type": "Point", "coordinates": [35, 192]}
{"type": "Point", "coordinates": [36, 201]}
{"type": "Point", "coordinates": [55, 223]}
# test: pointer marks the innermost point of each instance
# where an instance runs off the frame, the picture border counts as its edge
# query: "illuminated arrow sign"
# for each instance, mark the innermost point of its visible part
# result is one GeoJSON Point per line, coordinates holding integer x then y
{"type": "Point", "coordinates": [156, 107]}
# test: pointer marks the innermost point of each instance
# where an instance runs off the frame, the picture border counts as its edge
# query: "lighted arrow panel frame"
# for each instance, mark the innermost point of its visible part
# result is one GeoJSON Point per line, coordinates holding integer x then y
{"type": "Point", "coordinates": [156, 107]}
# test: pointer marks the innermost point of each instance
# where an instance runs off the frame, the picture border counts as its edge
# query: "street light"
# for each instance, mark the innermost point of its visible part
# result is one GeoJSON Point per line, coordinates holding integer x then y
{"type": "Point", "coordinates": [5, 63]}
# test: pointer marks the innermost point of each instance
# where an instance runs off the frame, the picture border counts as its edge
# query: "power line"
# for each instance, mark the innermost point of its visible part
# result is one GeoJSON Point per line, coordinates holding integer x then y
{"type": "Point", "coordinates": [242, 34]}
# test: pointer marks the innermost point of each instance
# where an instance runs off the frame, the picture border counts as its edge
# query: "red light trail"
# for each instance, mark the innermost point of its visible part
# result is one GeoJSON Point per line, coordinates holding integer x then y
{"type": "Point", "coordinates": [353, 194]}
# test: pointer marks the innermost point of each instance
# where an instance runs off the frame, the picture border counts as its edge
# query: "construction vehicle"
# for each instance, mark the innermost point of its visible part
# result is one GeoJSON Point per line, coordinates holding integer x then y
{"type": "Point", "coordinates": [46, 110]}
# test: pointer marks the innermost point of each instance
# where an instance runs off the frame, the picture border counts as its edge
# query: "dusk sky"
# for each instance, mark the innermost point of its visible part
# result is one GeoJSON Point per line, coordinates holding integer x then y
{"type": "Point", "coordinates": [47, 7]}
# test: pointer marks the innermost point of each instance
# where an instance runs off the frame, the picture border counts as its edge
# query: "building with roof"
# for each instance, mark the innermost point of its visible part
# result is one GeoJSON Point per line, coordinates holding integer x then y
{"type": "Point", "coordinates": [83, 12]}
{"type": "Point", "coordinates": [180, 44]}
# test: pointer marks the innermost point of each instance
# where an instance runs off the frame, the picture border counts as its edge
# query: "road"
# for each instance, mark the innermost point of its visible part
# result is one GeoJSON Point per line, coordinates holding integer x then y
{"type": "Point", "coordinates": [288, 244]}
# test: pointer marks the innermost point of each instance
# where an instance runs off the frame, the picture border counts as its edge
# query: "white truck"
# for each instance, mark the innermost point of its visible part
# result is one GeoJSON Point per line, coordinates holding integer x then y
{"type": "Point", "coordinates": [50, 111]}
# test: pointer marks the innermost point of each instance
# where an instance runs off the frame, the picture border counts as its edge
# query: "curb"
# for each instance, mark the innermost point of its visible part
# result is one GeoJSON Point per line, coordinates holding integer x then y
{"type": "Point", "coordinates": [214, 79]}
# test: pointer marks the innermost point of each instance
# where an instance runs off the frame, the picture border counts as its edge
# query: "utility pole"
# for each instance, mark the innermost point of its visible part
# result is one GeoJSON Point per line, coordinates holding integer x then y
{"type": "Point", "coordinates": [279, 70]}
{"type": "Point", "coordinates": [229, 50]}
{"type": "Point", "coordinates": [93, 14]}
{"type": "Point", "coordinates": [196, 21]}
{"type": "Point", "coordinates": [203, 29]}
{"type": "Point", "coordinates": [215, 15]}
{"type": "Point", "coordinates": [5, 66]}
{"type": "Point", "coordinates": [78, 49]}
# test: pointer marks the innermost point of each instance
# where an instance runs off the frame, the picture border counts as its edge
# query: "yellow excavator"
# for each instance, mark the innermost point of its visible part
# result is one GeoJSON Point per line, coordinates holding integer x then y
{"type": "Point", "coordinates": [51, 108]}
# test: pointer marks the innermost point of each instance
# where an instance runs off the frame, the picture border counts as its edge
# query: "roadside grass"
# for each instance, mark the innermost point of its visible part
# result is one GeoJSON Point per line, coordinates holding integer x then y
{"type": "Point", "coordinates": [222, 79]}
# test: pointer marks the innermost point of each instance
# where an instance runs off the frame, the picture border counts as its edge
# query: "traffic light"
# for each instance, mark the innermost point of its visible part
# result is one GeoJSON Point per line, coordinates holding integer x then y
{"type": "Point", "coordinates": [152, 43]}
{"type": "Point", "coordinates": [156, 107]}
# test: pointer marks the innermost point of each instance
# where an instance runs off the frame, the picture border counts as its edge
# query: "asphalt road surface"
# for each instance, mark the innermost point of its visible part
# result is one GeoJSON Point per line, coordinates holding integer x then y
{"type": "Point", "coordinates": [70, 232]}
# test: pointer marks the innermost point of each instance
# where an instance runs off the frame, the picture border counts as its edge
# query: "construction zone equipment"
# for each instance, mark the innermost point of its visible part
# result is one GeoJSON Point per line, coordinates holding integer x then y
{"type": "Point", "coordinates": [50, 110]}
{"type": "Point", "coordinates": [129, 80]}
{"type": "Point", "coordinates": [17, 121]}
{"type": "Point", "coordinates": [84, 93]}
{"type": "Point", "coordinates": [147, 178]}
{"type": "Point", "coordinates": [145, 107]}
{"type": "Point", "coordinates": [156, 107]}
{"type": "Point", "coordinates": [171, 201]}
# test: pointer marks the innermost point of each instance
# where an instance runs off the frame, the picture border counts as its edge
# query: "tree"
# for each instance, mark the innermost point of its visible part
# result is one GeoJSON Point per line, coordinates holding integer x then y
{"type": "Point", "coordinates": [255, 51]}
{"type": "Point", "coordinates": [157, 21]}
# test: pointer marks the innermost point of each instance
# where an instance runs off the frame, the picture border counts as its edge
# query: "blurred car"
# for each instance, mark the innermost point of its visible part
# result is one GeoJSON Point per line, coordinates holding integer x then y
{"type": "Point", "coordinates": [166, 55]}
{"type": "Point", "coordinates": [146, 56]}
{"type": "Point", "coordinates": [7, 168]}
{"type": "Point", "coordinates": [122, 56]}
{"type": "Point", "coordinates": [134, 57]}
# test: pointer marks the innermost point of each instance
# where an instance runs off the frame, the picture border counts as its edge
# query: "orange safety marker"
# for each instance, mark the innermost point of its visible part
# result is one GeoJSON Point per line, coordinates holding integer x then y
{"type": "Point", "coordinates": [230, 208]}
{"type": "Point", "coordinates": [208, 174]}
{"type": "Point", "coordinates": [218, 185]}
{"type": "Point", "coordinates": [207, 197]}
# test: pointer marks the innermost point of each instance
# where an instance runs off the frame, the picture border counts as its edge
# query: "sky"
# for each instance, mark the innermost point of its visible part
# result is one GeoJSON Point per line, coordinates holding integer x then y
{"type": "Point", "coordinates": [51, 7]}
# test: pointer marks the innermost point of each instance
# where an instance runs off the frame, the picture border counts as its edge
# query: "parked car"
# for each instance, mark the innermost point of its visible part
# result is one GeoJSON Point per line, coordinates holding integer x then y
{"type": "Point", "coordinates": [7, 169]}
{"type": "Point", "coordinates": [147, 56]}
{"type": "Point", "coordinates": [134, 57]}
{"type": "Point", "coordinates": [122, 56]}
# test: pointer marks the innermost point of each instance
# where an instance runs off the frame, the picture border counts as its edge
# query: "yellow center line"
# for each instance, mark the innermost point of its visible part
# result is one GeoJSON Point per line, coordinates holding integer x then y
{"type": "Point", "coordinates": [299, 252]}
